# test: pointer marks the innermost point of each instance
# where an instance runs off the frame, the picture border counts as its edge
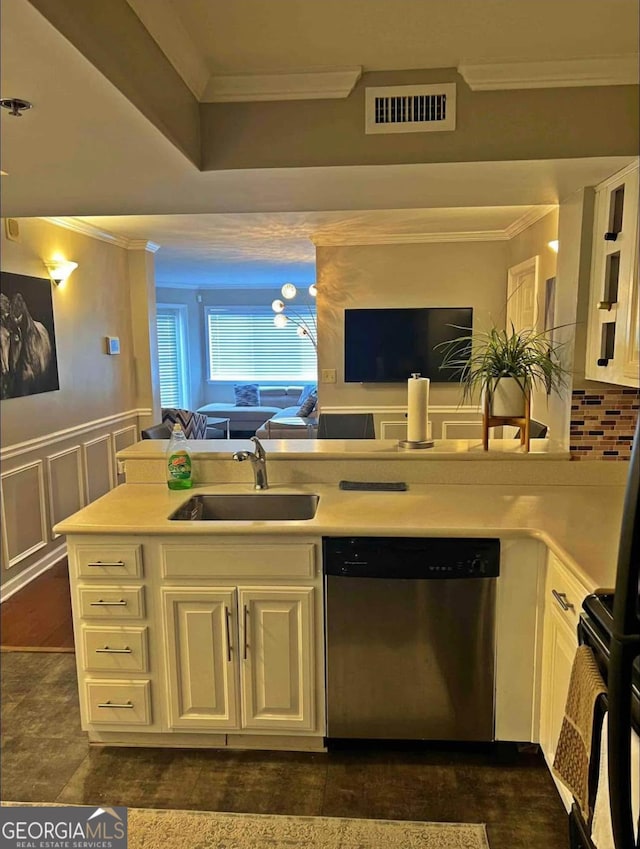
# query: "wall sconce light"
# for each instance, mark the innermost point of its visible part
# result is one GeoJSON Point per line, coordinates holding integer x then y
{"type": "Point", "coordinates": [59, 269]}
{"type": "Point", "coordinates": [554, 244]}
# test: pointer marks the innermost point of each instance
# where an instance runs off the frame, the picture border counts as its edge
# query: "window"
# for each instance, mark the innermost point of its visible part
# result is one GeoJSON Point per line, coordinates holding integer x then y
{"type": "Point", "coordinates": [244, 344]}
{"type": "Point", "coordinates": [172, 361]}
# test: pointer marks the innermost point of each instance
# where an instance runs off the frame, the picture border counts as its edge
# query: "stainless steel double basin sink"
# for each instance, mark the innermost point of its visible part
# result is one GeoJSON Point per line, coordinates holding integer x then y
{"type": "Point", "coordinates": [255, 507]}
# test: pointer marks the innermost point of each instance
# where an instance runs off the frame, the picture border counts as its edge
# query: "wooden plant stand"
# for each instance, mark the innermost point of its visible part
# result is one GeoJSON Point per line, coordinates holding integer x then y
{"type": "Point", "coordinates": [515, 421]}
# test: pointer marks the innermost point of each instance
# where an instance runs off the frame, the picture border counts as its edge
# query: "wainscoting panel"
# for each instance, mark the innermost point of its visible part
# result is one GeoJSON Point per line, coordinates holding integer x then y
{"type": "Point", "coordinates": [124, 437]}
{"type": "Point", "coordinates": [24, 512]}
{"type": "Point", "coordinates": [461, 430]}
{"type": "Point", "coordinates": [66, 485]}
{"type": "Point", "coordinates": [391, 422]}
{"type": "Point", "coordinates": [397, 429]}
{"type": "Point", "coordinates": [98, 466]}
{"type": "Point", "coordinates": [48, 478]}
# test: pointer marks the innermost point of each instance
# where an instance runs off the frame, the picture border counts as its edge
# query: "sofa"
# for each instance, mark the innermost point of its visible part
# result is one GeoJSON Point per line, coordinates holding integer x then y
{"type": "Point", "coordinates": [287, 425]}
{"type": "Point", "coordinates": [248, 420]}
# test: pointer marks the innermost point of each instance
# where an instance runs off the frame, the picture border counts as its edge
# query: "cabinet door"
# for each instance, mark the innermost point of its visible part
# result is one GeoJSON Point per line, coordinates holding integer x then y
{"type": "Point", "coordinates": [612, 351]}
{"type": "Point", "coordinates": [560, 645]}
{"type": "Point", "coordinates": [277, 668]}
{"type": "Point", "coordinates": [201, 657]}
{"type": "Point", "coordinates": [563, 599]}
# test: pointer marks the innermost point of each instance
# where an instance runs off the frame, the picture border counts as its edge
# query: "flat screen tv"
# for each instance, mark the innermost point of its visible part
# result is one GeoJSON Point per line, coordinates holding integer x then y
{"type": "Point", "coordinates": [389, 345]}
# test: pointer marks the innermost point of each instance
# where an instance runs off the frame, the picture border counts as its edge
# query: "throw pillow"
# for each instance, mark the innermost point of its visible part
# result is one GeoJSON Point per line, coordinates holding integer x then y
{"type": "Point", "coordinates": [308, 406]}
{"type": "Point", "coordinates": [194, 425]}
{"type": "Point", "coordinates": [247, 394]}
{"type": "Point", "coordinates": [307, 389]}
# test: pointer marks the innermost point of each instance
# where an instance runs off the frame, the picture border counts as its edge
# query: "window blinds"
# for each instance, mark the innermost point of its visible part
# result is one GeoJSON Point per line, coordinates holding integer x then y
{"type": "Point", "coordinates": [169, 358]}
{"type": "Point", "coordinates": [244, 344]}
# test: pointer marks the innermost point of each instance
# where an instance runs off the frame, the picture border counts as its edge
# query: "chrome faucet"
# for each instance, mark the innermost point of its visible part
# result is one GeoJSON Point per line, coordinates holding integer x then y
{"type": "Point", "coordinates": [258, 462]}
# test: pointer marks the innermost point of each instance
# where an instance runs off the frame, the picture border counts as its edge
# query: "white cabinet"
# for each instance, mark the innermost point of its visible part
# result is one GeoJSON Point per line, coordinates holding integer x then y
{"type": "Point", "coordinates": [564, 594]}
{"type": "Point", "coordinates": [254, 641]}
{"type": "Point", "coordinates": [277, 665]}
{"type": "Point", "coordinates": [216, 641]}
{"type": "Point", "coordinates": [117, 680]}
{"type": "Point", "coordinates": [201, 657]}
{"type": "Point", "coordinates": [614, 322]}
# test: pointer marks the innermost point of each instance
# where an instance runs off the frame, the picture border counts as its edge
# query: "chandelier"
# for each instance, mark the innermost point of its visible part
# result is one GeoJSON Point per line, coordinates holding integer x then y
{"type": "Point", "coordinates": [306, 325]}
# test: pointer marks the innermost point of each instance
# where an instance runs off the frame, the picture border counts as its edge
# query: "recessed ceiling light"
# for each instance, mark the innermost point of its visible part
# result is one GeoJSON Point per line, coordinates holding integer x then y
{"type": "Point", "coordinates": [15, 105]}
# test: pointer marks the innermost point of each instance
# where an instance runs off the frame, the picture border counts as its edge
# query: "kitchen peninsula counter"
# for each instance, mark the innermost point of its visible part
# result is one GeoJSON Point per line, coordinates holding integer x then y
{"type": "Point", "coordinates": [183, 597]}
{"type": "Point", "coordinates": [580, 524]}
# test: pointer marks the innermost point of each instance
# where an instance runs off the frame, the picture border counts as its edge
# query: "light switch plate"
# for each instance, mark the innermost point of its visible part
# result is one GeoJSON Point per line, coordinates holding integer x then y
{"type": "Point", "coordinates": [328, 375]}
{"type": "Point", "coordinates": [112, 344]}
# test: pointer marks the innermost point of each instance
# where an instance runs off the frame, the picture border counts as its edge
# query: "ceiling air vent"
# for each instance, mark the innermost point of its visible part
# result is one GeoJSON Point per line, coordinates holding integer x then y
{"type": "Point", "coordinates": [410, 108]}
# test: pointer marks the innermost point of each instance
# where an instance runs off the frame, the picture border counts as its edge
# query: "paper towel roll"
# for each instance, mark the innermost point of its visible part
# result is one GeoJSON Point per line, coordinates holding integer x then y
{"type": "Point", "coordinates": [417, 406]}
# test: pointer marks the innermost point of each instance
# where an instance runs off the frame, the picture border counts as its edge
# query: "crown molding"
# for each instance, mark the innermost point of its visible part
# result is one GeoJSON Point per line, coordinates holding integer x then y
{"type": "Point", "coordinates": [164, 25]}
{"type": "Point", "coordinates": [87, 229]}
{"type": "Point", "coordinates": [142, 245]}
{"type": "Point", "coordinates": [326, 240]}
{"type": "Point", "coordinates": [561, 73]}
{"type": "Point", "coordinates": [528, 219]}
{"type": "Point", "coordinates": [312, 85]}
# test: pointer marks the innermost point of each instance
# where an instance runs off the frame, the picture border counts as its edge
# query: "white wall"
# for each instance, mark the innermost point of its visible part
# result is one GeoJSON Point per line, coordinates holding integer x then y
{"type": "Point", "coordinates": [409, 275]}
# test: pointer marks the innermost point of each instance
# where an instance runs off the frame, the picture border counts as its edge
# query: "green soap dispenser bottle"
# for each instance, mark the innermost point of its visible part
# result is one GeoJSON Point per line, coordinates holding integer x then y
{"type": "Point", "coordinates": [179, 474]}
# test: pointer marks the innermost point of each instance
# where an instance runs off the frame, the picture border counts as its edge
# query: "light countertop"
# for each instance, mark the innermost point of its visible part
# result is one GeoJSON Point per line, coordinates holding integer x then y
{"type": "Point", "coordinates": [580, 524]}
{"type": "Point", "coordinates": [309, 449]}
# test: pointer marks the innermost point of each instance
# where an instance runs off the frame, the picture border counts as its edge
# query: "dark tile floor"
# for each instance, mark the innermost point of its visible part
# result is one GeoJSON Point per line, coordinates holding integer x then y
{"type": "Point", "coordinates": [46, 758]}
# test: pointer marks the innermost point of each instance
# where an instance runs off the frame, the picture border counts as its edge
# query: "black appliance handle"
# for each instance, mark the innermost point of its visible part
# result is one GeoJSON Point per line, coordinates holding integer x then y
{"type": "Point", "coordinates": [624, 648]}
{"type": "Point", "coordinates": [621, 658]}
{"type": "Point", "coordinates": [626, 600]}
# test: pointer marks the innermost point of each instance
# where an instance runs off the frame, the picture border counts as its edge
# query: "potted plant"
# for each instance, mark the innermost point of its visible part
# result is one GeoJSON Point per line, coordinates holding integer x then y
{"type": "Point", "coordinates": [504, 366]}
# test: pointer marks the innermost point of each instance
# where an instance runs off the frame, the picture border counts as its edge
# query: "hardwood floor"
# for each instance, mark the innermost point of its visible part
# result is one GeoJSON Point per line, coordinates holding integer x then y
{"type": "Point", "coordinates": [46, 758]}
{"type": "Point", "coordinates": [38, 617]}
{"type": "Point", "coordinates": [515, 796]}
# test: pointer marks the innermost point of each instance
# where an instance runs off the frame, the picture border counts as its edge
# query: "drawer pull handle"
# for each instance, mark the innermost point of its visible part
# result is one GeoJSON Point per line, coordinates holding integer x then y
{"type": "Point", "coordinates": [561, 598]}
{"type": "Point", "coordinates": [227, 617]}
{"type": "Point", "coordinates": [127, 705]}
{"type": "Point", "coordinates": [102, 563]}
{"type": "Point", "coordinates": [101, 603]}
{"type": "Point", "coordinates": [107, 650]}
{"type": "Point", "coordinates": [246, 618]}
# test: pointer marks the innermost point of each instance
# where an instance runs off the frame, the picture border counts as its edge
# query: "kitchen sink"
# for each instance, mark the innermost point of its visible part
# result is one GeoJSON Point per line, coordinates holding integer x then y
{"type": "Point", "coordinates": [257, 507]}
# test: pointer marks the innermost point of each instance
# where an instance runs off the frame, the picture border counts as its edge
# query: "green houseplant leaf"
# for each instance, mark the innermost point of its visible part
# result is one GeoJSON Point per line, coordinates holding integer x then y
{"type": "Point", "coordinates": [480, 359]}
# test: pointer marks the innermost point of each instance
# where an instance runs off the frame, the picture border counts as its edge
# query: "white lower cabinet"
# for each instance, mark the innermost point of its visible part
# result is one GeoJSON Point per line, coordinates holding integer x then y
{"type": "Point", "coordinates": [277, 669]}
{"type": "Point", "coordinates": [240, 658]}
{"type": "Point", "coordinates": [201, 657]}
{"type": "Point", "coordinates": [564, 594]}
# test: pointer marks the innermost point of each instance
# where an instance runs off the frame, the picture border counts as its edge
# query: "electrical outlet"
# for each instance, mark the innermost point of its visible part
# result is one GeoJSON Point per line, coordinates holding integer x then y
{"type": "Point", "coordinates": [328, 375]}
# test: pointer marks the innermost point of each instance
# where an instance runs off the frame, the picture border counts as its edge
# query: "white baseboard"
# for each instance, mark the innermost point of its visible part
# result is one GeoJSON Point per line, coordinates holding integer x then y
{"type": "Point", "coordinates": [13, 585]}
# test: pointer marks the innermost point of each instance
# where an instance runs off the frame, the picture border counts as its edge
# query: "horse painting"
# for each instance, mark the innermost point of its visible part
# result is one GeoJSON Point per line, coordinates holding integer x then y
{"type": "Point", "coordinates": [27, 346]}
{"type": "Point", "coordinates": [5, 342]}
{"type": "Point", "coordinates": [29, 350]}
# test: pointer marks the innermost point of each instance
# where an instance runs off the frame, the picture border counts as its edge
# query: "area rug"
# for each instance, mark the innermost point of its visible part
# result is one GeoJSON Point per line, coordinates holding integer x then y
{"type": "Point", "coordinates": [155, 829]}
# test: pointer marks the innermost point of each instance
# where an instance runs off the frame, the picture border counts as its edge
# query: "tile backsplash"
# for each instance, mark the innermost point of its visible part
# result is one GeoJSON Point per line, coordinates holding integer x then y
{"type": "Point", "coordinates": [603, 423]}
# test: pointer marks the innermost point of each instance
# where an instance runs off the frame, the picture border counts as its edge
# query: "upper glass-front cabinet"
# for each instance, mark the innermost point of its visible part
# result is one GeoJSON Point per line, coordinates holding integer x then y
{"type": "Point", "coordinates": [614, 326]}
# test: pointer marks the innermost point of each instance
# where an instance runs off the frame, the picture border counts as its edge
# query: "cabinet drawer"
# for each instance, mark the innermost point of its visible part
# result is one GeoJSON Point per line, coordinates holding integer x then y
{"type": "Point", "coordinates": [119, 702]}
{"type": "Point", "coordinates": [238, 561]}
{"type": "Point", "coordinates": [564, 592]}
{"type": "Point", "coordinates": [111, 602]}
{"type": "Point", "coordinates": [115, 649]}
{"type": "Point", "coordinates": [116, 561]}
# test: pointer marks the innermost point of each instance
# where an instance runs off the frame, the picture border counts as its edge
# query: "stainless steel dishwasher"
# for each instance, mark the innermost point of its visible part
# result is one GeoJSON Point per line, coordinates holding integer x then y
{"type": "Point", "coordinates": [410, 631]}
